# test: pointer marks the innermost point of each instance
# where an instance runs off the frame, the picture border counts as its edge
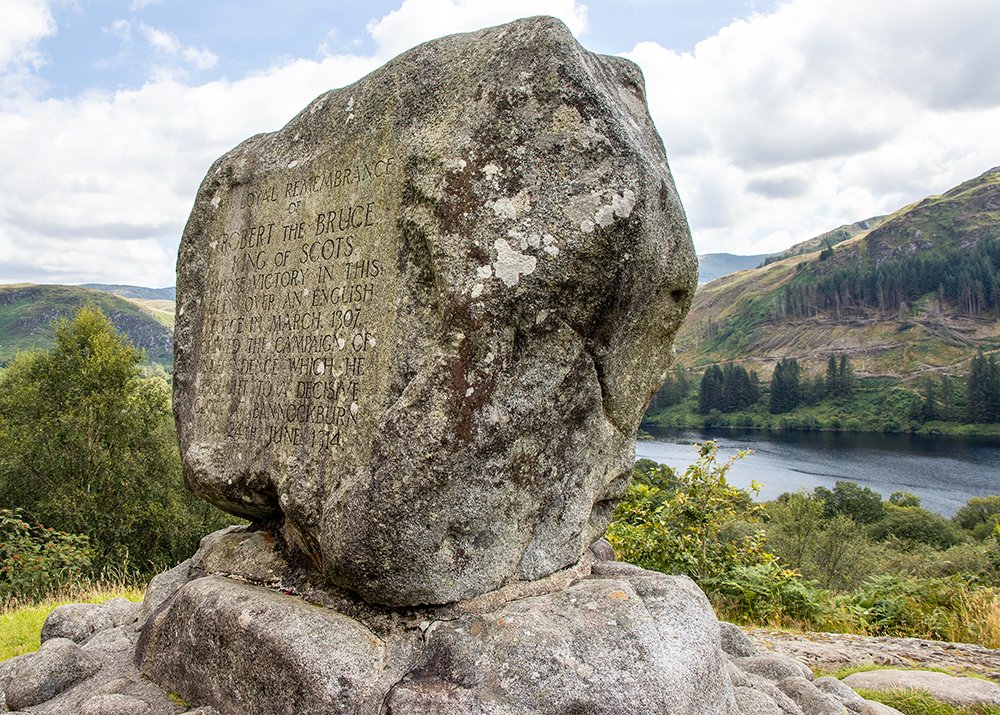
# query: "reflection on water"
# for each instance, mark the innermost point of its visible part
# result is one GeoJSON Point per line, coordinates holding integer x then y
{"type": "Point", "coordinates": [943, 471]}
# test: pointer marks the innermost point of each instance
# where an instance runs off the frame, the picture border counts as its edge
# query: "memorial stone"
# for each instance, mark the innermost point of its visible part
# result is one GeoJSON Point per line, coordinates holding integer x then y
{"type": "Point", "coordinates": [418, 326]}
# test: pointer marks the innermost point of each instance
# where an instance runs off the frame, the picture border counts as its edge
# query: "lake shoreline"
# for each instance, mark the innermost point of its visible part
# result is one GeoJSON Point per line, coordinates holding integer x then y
{"type": "Point", "coordinates": [944, 471]}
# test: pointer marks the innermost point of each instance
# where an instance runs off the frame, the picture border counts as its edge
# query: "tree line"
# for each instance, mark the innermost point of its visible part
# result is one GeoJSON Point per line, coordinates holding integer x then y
{"type": "Point", "coordinates": [967, 279]}
{"type": "Point", "coordinates": [732, 388]}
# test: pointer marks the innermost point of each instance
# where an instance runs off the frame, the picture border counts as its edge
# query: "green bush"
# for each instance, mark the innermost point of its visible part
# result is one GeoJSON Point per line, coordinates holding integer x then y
{"type": "Point", "coordinates": [980, 516]}
{"type": "Point", "coordinates": [861, 504]}
{"type": "Point", "coordinates": [765, 593]}
{"type": "Point", "coordinates": [36, 560]}
{"type": "Point", "coordinates": [917, 525]}
{"type": "Point", "coordinates": [686, 523]}
{"type": "Point", "coordinates": [936, 608]}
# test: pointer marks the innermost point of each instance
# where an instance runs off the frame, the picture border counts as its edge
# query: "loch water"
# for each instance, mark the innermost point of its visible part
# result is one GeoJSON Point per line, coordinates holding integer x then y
{"type": "Point", "coordinates": [943, 471]}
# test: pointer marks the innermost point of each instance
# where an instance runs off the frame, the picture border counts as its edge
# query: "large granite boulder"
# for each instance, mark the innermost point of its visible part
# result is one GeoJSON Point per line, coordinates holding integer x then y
{"type": "Point", "coordinates": [418, 326]}
{"type": "Point", "coordinates": [621, 639]}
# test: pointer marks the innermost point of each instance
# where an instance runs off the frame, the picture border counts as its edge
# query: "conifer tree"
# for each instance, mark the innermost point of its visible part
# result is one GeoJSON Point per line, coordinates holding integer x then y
{"type": "Point", "coordinates": [785, 386]}
{"type": "Point", "coordinates": [710, 390]}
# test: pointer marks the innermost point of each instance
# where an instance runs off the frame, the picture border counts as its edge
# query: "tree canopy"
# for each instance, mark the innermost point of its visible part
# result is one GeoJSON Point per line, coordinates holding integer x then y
{"type": "Point", "coordinates": [87, 446]}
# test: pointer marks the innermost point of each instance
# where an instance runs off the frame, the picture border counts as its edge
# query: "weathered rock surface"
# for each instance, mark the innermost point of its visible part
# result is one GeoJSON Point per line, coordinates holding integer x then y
{"type": "Point", "coordinates": [623, 637]}
{"type": "Point", "coordinates": [830, 651]}
{"type": "Point", "coordinates": [59, 664]}
{"type": "Point", "coordinates": [958, 691]}
{"type": "Point", "coordinates": [418, 326]}
{"type": "Point", "coordinates": [79, 621]}
{"type": "Point", "coordinates": [620, 638]}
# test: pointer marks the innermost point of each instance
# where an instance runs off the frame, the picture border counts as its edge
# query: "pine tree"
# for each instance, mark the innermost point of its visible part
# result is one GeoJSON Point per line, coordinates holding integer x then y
{"type": "Point", "coordinates": [710, 390]}
{"type": "Point", "coordinates": [831, 376]}
{"type": "Point", "coordinates": [845, 377]}
{"type": "Point", "coordinates": [785, 386]}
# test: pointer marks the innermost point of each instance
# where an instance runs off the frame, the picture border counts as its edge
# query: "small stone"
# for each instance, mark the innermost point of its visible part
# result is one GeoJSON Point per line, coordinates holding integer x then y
{"type": "Point", "coordinates": [845, 694]}
{"type": "Point", "coordinates": [602, 550]}
{"type": "Point", "coordinates": [808, 697]}
{"type": "Point", "coordinates": [774, 667]}
{"type": "Point", "coordinates": [56, 666]}
{"type": "Point", "coordinates": [735, 642]}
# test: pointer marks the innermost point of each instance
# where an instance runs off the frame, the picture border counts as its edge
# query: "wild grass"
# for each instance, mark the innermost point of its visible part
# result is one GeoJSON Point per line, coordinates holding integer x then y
{"type": "Point", "coordinates": [919, 702]}
{"type": "Point", "coordinates": [21, 621]}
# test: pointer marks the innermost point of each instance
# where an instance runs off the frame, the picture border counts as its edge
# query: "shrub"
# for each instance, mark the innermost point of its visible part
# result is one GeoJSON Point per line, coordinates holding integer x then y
{"type": "Point", "coordinates": [765, 593]}
{"type": "Point", "coordinates": [36, 560]}
{"type": "Point", "coordinates": [979, 515]}
{"type": "Point", "coordinates": [687, 523]}
{"type": "Point", "coordinates": [861, 504]}
{"type": "Point", "coordinates": [915, 524]}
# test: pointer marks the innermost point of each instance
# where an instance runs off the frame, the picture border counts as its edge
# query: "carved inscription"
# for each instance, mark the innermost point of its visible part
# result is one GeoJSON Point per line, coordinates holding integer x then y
{"type": "Point", "coordinates": [294, 287]}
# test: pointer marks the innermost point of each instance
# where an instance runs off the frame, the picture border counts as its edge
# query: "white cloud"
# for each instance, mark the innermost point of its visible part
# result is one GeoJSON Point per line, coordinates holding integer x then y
{"type": "Point", "coordinates": [25, 22]}
{"type": "Point", "coordinates": [137, 5]}
{"type": "Point", "coordinates": [417, 21]}
{"type": "Point", "coordinates": [105, 180]}
{"type": "Point", "coordinates": [171, 47]}
{"type": "Point", "coordinates": [850, 108]}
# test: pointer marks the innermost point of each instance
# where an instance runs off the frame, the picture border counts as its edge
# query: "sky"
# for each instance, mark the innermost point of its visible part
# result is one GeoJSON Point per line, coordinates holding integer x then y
{"type": "Point", "coordinates": [782, 119]}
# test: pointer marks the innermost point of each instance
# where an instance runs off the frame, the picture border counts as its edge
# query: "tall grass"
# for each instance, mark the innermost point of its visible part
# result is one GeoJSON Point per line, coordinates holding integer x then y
{"type": "Point", "coordinates": [946, 609]}
{"type": "Point", "coordinates": [21, 619]}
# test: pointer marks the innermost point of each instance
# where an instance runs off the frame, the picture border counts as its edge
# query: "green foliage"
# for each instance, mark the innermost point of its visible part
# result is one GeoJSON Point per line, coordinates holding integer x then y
{"type": "Point", "coordinates": [917, 525]}
{"type": "Point", "coordinates": [980, 515]}
{"type": "Point", "coordinates": [675, 390]}
{"type": "Point", "coordinates": [764, 593]}
{"type": "Point", "coordinates": [710, 390]}
{"type": "Point", "coordinates": [817, 566]}
{"type": "Point", "coordinates": [967, 279]}
{"type": "Point", "coordinates": [728, 389]}
{"type": "Point", "coordinates": [983, 390]}
{"type": "Point", "coordinates": [896, 605]}
{"type": "Point", "coordinates": [904, 499]}
{"type": "Point", "coordinates": [861, 504]}
{"type": "Point", "coordinates": [694, 523]}
{"type": "Point", "coordinates": [36, 560]}
{"type": "Point", "coordinates": [839, 380]}
{"type": "Point", "coordinates": [87, 446]}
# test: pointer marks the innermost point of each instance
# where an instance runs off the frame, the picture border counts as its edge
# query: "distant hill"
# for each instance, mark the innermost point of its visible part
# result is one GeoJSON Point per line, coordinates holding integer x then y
{"type": "Point", "coordinates": [127, 291]}
{"type": "Point", "coordinates": [715, 265]}
{"type": "Point", "coordinates": [28, 311]}
{"type": "Point", "coordinates": [830, 238]}
{"type": "Point", "coordinates": [916, 292]}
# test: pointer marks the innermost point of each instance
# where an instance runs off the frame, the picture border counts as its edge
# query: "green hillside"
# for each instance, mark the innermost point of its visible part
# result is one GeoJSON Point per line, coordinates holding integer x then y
{"type": "Point", "coordinates": [917, 293]}
{"type": "Point", "coordinates": [828, 239]}
{"type": "Point", "coordinates": [28, 311]}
